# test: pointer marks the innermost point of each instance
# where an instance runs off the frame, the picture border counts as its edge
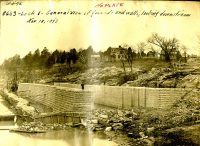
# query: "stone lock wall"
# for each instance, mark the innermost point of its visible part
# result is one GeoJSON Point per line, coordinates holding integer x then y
{"type": "Point", "coordinates": [126, 97]}
{"type": "Point", "coordinates": [70, 97]}
{"type": "Point", "coordinates": [58, 98]}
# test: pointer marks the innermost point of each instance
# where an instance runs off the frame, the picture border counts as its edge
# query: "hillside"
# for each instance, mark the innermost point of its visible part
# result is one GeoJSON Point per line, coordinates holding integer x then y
{"type": "Point", "coordinates": [145, 73]}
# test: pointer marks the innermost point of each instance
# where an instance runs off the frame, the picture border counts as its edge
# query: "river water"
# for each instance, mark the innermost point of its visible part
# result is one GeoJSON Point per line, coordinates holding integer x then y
{"type": "Point", "coordinates": [69, 137]}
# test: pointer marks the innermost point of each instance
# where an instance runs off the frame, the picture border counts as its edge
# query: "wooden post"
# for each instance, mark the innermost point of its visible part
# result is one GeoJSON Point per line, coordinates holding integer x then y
{"type": "Point", "coordinates": [159, 99]}
{"type": "Point", "coordinates": [122, 98]}
{"type": "Point", "coordinates": [138, 97]}
{"type": "Point", "coordinates": [132, 97]}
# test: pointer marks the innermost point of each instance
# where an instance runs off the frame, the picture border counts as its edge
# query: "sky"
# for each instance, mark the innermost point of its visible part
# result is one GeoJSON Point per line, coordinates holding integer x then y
{"type": "Point", "coordinates": [99, 31]}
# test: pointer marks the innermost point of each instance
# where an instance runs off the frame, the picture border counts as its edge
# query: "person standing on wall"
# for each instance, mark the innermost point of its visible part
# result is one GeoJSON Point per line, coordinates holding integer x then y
{"type": "Point", "coordinates": [82, 85]}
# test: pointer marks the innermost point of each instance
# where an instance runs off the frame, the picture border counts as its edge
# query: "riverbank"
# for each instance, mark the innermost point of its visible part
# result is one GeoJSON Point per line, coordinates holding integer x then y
{"type": "Point", "coordinates": [4, 108]}
{"type": "Point", "coordinates": [179, 124]}
{"type": "Point", "coordinates": [143, 127]}
{"type": "Point", "coordinates": [134, 127]}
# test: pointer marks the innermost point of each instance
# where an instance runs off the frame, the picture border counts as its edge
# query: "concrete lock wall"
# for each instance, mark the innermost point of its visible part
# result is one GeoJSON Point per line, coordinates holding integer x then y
{"type": "Point", "coordinates": [57, 98]}
{"type": "Point", "coordinates": [126, 97]}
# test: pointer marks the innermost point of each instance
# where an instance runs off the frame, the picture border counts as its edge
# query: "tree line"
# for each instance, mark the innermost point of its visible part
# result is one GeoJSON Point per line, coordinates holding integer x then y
{"type": "Point", "coordinates": [46, 59]}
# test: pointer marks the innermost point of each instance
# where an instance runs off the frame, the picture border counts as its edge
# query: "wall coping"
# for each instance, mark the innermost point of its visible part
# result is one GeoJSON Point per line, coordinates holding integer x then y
{"type": "Point", "coordinates": [126, 87]}
{"type": "Point", "coordinates": [57, 87]}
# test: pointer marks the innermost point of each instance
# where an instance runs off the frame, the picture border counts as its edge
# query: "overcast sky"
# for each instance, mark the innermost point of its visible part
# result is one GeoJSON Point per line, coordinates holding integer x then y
{"type": "Point", "coordinates": [100, 31]}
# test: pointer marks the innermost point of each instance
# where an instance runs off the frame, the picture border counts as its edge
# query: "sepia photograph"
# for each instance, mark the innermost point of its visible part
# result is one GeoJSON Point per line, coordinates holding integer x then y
{"type": "Point", "coordinates": [99, 73]}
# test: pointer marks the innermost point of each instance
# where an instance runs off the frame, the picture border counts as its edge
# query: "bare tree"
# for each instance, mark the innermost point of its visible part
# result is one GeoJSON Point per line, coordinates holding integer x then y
{"type": "Point", "coordinates": [168, 46]}
{"type": "Point", "coordinates": [129, 55]}
{"type": "Point", "coordinates": [83, 58]}
{"type": "Point", "coordinates": [129, 58]}
{"type": "Point", "coordinates": [184, 50]}
{"type": "Point", "coordinates": [123, 53]}
{"type": "Point", "coordinates": [141, 47]}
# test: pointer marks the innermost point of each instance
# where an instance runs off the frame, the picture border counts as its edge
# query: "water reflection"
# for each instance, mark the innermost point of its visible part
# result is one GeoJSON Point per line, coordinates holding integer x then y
{"type": "Point", "coordinates": [70, 137]}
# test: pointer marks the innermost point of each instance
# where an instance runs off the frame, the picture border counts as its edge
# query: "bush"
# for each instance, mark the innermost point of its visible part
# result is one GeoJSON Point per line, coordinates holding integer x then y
{"type": "Point", "coordinates": [174, 138]}
{"type": "Point", "coordinates": [123, 78]}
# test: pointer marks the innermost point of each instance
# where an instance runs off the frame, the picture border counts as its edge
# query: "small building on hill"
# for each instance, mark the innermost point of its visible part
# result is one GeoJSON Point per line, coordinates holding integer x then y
{"type": "Point", "coordinates": [117, 53]}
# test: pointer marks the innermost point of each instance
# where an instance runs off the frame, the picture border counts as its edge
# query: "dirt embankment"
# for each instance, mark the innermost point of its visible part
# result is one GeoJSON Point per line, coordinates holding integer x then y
{"type": "Point", "coordinates": [156, 78]}
{"type": "Point", "coordinates": [21, 106]}
{"type": "Point", "coordinates": [156, 75]}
